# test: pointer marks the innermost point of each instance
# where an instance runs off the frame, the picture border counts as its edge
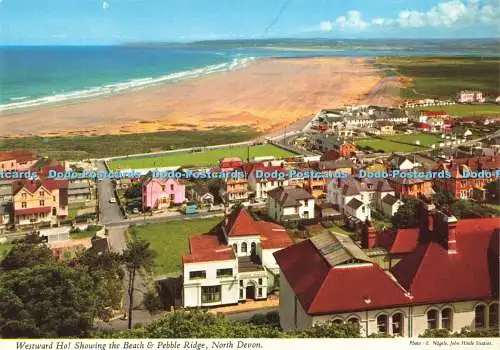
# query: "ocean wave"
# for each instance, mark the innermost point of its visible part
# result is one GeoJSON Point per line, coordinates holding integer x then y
{"type": "Point", "coordinates": [134, 84]}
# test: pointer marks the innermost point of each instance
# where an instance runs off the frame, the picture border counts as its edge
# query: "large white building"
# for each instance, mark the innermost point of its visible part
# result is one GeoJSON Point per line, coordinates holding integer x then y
{"type": "Point", "coordinates": [448, 280]}
{"type": "Point", "coordinates": [469, 96]}
{"type": "Point", "coordinates": [232, 263]}
{"type": "Point", "coordinates": [265, 178]}
{"type": "Point", "coordinates": [290, 203]}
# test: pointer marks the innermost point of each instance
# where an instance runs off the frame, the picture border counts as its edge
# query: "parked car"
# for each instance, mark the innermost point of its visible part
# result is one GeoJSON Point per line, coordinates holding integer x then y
{"type": "Point", "coordinates": [135, 210]}
{"type": "Point", "coordinates": [190, 208]}
{"type": "Point", "coordinates": [112, 200]}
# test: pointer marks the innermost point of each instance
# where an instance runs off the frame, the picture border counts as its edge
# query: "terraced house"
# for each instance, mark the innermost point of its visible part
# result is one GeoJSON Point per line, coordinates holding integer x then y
{"type": "Point", "coordinates": [233, 262]}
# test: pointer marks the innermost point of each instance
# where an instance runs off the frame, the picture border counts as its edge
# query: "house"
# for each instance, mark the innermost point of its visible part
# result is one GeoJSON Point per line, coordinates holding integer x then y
{"type": "Point", "coordinates": [79, 191]}
{"type": "Point", "coordinates": [200, 193]}
{"type": "Point", "coordinates": [461, 185]}
{"type": "Point", "coordinates": [470, 96]}
{"type": "Point", "coordinates": [390, 204]}
{"type": "Point", "coordinates": [20, 160]}
{"type": "Point", "coordinates": [161, 193]}
{"type": "Point", "coordinates": [328, 278]}
{"type": "Point", "coordinates": [39, 202]}
{"type": "Point", "coordinates": [345, 166]}
{"type": "Point", "coordinates": [385, 128]}
{"type": "Point", "coordinates": [401, 162]}
{"type": "Point", "coordinates": [231, 162]}
{"type": "Point", "coordinates": [290, 204]}
{"type": "Point", "coordinates": [264, 178]}
{"type": "Point", "coordinates": [356, 196]}
{"type": "Point", "coordinates": [415, 187]}
{"type": "Point", "coordinates": [232, 263]}
{"type": "Point", "coordinates": [426, 115]}
{"type": "Point", "coordinates": [233, 189]}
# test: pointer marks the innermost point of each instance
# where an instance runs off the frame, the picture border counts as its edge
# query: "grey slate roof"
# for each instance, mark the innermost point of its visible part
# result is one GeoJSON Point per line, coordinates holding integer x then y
{"type": "Point", "coordinates": [389, 199]}
{"type": "Point", "coordinates": [289, 196]}
{"type": "Point", "coordinates": [355, 203]}
{"type": "Point", "coordinates": [338, 249]}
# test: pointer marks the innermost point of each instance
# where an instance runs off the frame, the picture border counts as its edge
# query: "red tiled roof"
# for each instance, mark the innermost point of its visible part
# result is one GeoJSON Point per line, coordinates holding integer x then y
{"type": "Point", "coordinates": [19, 155]}
{"type": "Point", "coordinates": [273, 236]}
{"type": "Point", "coordinates": [240, 223]}
{"type": "Point", "coordinates": [434, 113]}
{"type": "Point", "coordinates": [398, 242]}
{"type": "Point", "coordinates": [33, 185]}
{"type": "Point", "coordinates": [322, 289]}
{"type": "Point", "coordinates": [430, 274]}
{"type": "Point", "coordinates": [29, 211]}
{"type": "Point", "coordinates": [207, 248]}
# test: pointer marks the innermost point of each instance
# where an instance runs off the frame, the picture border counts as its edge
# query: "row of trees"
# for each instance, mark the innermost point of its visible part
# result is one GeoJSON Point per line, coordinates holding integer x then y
{"type": "Point", "coordinates": [42, 298]}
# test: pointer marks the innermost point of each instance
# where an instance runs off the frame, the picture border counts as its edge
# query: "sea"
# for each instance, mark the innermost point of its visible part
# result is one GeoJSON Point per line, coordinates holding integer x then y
{"type": "Point", "coordinates": [36, 75]}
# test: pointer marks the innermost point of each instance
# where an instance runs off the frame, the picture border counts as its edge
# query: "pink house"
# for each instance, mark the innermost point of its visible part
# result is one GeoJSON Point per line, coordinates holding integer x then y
{"type": "Point", "coordinates": [161, 193]}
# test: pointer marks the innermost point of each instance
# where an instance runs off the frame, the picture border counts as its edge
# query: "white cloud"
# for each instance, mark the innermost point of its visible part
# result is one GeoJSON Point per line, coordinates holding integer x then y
{"type": "Point", "coordinates": [105, 5]}
{"type": "Point", "coordinates": [353, 20]}
{"type": "Point", "coordinates": [445, 14]}
{"type": "Point", "coordinates": [325, 26]}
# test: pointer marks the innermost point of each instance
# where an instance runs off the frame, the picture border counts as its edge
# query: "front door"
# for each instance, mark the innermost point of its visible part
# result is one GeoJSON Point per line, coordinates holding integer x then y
{"type": "Point", "coordinates": [250, 292]}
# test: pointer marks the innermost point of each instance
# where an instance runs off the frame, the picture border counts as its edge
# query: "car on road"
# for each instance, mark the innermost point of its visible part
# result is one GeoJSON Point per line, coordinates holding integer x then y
{"type": "Point", "coordinates": [135, 210]}
{"type": "Point", "coordinates": [112, 200]}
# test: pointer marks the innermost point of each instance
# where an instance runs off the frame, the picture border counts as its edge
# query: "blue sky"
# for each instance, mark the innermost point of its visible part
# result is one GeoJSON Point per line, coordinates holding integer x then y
{"type": "Point", "coordinates": [27, 22]}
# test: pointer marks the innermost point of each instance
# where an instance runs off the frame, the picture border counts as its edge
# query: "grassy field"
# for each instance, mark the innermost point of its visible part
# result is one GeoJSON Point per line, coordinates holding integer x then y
{"type": "Point", "coordinates": [170, 240]}
{"type": "Point", "coordinates": [399, 143]}
{"type": "Point", "coordinates": [443, 76]}
{"type": "Point", "coordinates": [210, 157]}
{"type": "Point", "coordinates": [83, 147]}
{"type": "Point", "coordinates": [4, 249]}
{"type": "Point", "coordinates": [460, 110]}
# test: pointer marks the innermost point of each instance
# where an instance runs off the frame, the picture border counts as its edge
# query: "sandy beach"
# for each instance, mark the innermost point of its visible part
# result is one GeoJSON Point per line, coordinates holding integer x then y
{"type": "Point", "coordinates": [266, 95]}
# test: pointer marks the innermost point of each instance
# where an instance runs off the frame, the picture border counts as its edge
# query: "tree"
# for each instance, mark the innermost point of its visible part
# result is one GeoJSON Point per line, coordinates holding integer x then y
{"type": "Point", "coordinates": [28, 252]}
{"type": "Point", "coordinates": [465, 332]}
{"type": "Point", "coordinates": [133, 191]}
{"type": "Point", "coordinates": [466, 209]}
{"type": "Point", "coordinates": [493, 192]}
{"type": "Point", "coordinates": [107, 274]}
{"type": "Point", "coordinates": [46, 301]}
{"type": "Point", "coordinates": [137, 255]}
{"type": "Point", "coordinates": [407, 214]}
{"type": "Point", "coordinates": [442, 197]}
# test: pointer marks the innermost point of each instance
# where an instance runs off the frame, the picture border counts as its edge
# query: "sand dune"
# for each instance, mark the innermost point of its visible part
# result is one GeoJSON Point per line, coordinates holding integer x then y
{"type": "Point", "coordinates": [267, 95]}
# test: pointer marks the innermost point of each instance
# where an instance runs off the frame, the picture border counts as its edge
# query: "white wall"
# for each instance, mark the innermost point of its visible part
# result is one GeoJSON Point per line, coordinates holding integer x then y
{"type": "Point", "coordinates": [248, 240]}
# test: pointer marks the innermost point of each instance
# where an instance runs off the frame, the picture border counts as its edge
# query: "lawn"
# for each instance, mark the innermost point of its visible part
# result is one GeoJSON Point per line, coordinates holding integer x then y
{"type": "Point", "coordinates": [73, 209]}
{"type": "Point", "coordinates": [4, 249]}
{"type": "Point", "coordinates": [426, 140]}
{"type": "Point", "coordinates": [170, 240]}
{"type": "Point", "coordinates": [444, 76]}
{"type": "Point", "coordinates": [462, 110]}
{"type": "Point", "coordinates": [92, 146]}
{"type": "Point", "coordinates": [206, 158]}
{"type": "Point", "coordinates": [386, 146]}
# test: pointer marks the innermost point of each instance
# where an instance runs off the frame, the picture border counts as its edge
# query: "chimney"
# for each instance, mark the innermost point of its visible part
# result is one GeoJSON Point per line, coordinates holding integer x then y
{"type": "Point", "coordinates": [445, 231]}
{"type": "Point", "coordinates": [425, 212]}
{"type": "Point", "coordinates": [369, 235]}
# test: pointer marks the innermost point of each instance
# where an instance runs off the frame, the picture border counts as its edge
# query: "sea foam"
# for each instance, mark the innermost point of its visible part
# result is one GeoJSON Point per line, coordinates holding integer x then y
{"type": "Point", "coordinates": [133, 84]}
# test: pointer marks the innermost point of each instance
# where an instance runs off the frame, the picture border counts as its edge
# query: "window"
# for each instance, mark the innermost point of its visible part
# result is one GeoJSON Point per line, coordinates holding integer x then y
{"type": "Point", "coordinates": [337, 321]}
{"type": "Point", "coordinates": [241, 283]}
{"type": "Point", "coordinates": [382, 323]}
{"type": "Point", "coordinates": [210, 294]}
{"type": "Point", "coordinates": [224, 272]}
{"type": "Point", "coordinates": [260, 281]}
{"type": "Point", "coordinates": [23, 205]}
{"type": "Point", "coordinates": [259, 292]}
{"type": "Point", "coordinates": [432, 319]}
{"type": "Point", "coordinates": [42, 193]}
{"type": "Point", "coordinates": [253, 248]}
{"type": "Point", "coordinates": [397, 324]}
{"type": "Point", "coordinates": [353, 320]}
{"type": "Point", "coordinates": [243, 247]}
{"type": "Point", "coordinates": [493, 323]}
{"type": "Point", "coordinates": [42, 203]}
{"type": "Point", "coordinates": [171, 187]}
{"type": "Point", "coordinates": [446, 318]}
{"type": "Point", "coordinates": [479, 319]}
{"type": "Point", "coordinates": [235, 248]}
{"type": "Point", "coordinates": [193, 275]}
{"type": "Point", "coordinates": [163, 188]}
{"type": "Point", "coordinates": [241, 293]}
{"type": "Point", "coordinates": [171, 197]}
{"type": "Point", "coordinates": [23, 195]}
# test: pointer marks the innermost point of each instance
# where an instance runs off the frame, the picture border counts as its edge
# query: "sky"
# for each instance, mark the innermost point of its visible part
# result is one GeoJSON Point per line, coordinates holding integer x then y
{"type": "Point", "coordinates": [62, 22]}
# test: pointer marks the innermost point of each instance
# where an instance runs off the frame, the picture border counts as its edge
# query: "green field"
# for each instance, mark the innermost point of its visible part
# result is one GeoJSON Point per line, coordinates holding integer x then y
{"type": "Point", "coordinates": [170, 240]}
{"type": "Point", "coordinates": [399, 143]}
{"type": "Point", "coordinates": [4, 249]}
{"type": "Point", "coordinates": [443, 77]}
{"type": "Point", "coordinates": [84, 147]}
{"type": "Point", "coordinates": [211, 157]}
{"type": "Point", "coordinates": [467, 110]}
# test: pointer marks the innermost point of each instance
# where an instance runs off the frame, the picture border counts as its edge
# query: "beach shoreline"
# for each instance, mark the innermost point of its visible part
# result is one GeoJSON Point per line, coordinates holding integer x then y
{"type": "Point", "coordinates": [267, 95]}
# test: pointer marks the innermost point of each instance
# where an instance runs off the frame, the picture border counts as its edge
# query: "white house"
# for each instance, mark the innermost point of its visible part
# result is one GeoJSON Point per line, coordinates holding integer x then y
{"type": "Point", "coordinates": [400, 162]}
{"type": "Point", "coordinates": [290, 203]}
{"type": "Point", "coordinates": [469, 96]}
{"type": "Point", "coordinates": [389, 204]}
{"type": "Point", "coordinates": [265, 178]}
{"type": "Point", "coordinates": [233, 262]}
{"type": "Point", "coordinates": [355, 196]}
{"type": "Point", "coordinates": [435, 286]}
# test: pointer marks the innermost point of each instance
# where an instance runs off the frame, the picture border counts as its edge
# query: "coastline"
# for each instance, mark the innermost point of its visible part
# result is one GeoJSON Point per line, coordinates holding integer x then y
{"type": "Point", "coordinates": [266, 94]}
